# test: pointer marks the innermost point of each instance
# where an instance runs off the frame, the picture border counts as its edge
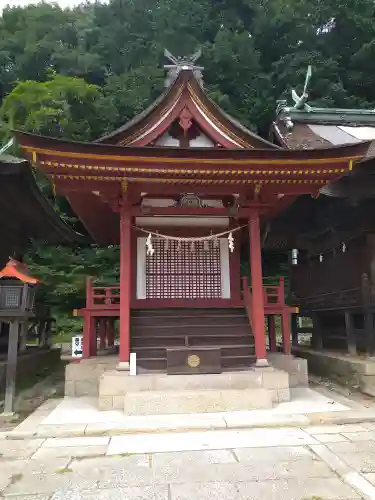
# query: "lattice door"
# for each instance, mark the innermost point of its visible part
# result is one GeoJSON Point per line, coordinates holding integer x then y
{"type": "Point", "coordinates": [183, 273]}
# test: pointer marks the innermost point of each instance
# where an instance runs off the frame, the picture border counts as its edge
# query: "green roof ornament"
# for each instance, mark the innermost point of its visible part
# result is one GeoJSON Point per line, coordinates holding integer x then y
{"type": "Point", "coordinates": [302, 112]}
{"type": "Point", "coordinates": [300, 101]}
{"type": "Point", "coordinates": [8, 145]}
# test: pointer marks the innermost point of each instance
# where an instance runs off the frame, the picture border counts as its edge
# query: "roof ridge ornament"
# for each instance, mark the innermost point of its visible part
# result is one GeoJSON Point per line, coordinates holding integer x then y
{"type": "Point", "coordinates": [300, 101]}
{"type": "Point", "coordinates": [183, 63]}
{"type": "Point", "coordinates": [8, 145]}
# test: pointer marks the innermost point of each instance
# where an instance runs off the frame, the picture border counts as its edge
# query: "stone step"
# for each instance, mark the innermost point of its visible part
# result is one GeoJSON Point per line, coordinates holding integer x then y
{"type": "Point", "coordinates": [220, 319]}
{"type": "Point", "coordinates": [136, 313]}
{"type": "Point", "coordinates": [195, 401]}
{"type": "Point", "coordinates": [226, 351]}
{"type": "Point", "coordinates": [191, 340]}
{"type": "Point", "coordinates": [190, 329]}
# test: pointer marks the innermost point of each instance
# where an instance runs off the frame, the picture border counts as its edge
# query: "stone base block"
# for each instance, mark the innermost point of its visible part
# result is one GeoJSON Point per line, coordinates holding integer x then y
{"type": "Point", "coordinates": [188, 401]}
{"type": "Point", "coordinates": [249, 387]}
{"type": "Point", "coordinates": [295, 367]}
{"type": "Point", "coordinates": [344, 369]}
{"type": "Point", "coordinates": [82, 378]}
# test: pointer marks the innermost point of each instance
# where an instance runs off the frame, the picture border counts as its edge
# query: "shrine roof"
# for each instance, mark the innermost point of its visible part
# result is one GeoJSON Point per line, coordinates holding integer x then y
{"type": "Point", "coordinates": [185, 93]}
{"type": "Point", "coordinates": [48, 146]}
{"type": "Point", "coordinates": [304, 126]}
{"type": "Point", "coordinates": [25, 213]}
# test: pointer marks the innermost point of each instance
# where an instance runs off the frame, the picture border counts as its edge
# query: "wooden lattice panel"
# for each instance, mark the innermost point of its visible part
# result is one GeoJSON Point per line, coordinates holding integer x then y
{"type": "Point", "coordinates": [174, 272]}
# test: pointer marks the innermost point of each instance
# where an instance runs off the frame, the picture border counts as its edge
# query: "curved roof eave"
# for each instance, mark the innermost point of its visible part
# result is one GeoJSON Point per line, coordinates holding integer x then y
{"type": "Point", "coordinates": [184, 77]}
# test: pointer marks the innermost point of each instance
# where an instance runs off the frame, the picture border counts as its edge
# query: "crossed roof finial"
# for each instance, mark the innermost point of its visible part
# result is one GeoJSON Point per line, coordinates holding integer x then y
{"type": "Point", "coordinates": [182, 63]}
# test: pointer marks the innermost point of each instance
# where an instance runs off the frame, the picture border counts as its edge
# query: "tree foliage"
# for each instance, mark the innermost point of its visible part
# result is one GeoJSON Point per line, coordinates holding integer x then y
{"type": "Point", "coordinates": [78, 73]}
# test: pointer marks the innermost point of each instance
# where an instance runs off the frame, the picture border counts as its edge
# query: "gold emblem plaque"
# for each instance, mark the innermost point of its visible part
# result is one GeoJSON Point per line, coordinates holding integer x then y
{"type": "Point", "coordinates": [193, 361]}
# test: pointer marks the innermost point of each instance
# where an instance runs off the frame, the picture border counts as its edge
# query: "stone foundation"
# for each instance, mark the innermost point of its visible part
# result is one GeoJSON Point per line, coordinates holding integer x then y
{"type": "Point", "coordinates": [353, 371]}
{"type": "Point", "coordinates": [294, 366]}
{"type": "Point", "coordinates": [164, 394]}
{"type": "Point", "coordinates": [82, 377]}
{"type": "Point", "coordinates": [159, 393]}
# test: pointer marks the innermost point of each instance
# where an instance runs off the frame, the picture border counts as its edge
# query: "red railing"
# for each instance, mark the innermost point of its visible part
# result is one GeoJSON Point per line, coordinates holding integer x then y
{"type": "Point", "coordinates": [274, 295]}
{"type": "Point", "coordinates": [101, 295]}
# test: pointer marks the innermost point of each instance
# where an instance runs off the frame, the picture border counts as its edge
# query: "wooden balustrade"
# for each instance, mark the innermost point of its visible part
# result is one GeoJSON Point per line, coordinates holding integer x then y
{"type": "Point", "coordinates": [99, 296]}
{"type": "Point", "coordinates": [274, 305]}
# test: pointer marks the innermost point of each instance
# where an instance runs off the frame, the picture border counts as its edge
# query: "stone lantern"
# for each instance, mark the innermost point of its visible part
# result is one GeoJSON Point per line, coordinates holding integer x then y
{"type": "Point", "coordinates": [17, 293]}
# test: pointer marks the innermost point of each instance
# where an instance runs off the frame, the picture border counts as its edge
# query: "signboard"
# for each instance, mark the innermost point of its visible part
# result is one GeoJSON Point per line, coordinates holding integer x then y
{"type": "Point", "coordinates": [77, 346]}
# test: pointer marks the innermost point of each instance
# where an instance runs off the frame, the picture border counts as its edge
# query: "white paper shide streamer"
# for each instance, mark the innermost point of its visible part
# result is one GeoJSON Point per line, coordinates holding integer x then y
{"type": "Point", "coordinates": [214, 238]}
{"type": "Point", "coordinates": [150, 248]}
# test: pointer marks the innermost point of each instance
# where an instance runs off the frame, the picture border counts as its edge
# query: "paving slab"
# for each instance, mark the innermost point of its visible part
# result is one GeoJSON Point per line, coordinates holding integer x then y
{"type": "Point", "coordinates": [360, 436]}
{"type": "Point", "coordinates": [49, 483]}
{"type": "Point", "coordinates": [282, 453]}
{"type": "Point", "coordinates": [70, 452]}
{"type": "Point", "coordinates": [158, 423]}
{"type": "Point", "coordinates": [93, 464]}
{"type": "Point", "coordinates": [51, 431]}
{"type": "Point", "coordinates": [352, 447]}
{"type": "Point", "coordinates": [33, 466]}
{"type": "Point", "coordinates": [19, 449]}
{"type": "Point", "coordinates": [293, 489]}
{"type": "Point", "coordinates": [254, 438]}
{"type": "Point", "coordinates": [193, 458]}
{"type": "Point", "coordinates": [347, 474]}
{"type": "Point", "coordinates": [150, 492]}
{"type": "Point", "coordinates": [335, 429]}
{"type": "Point", "coordinates": [75, 441]}
{"type": "Point", "coordinates": [330, 438]}
{"type": "Point", "coordinates": [263, 471]}
{"type": "Point", "coordinates": [210, 491]}
{"type": "Point", "coordinates": [248, 419]}
{"type": "Point", "coordinates": [29, 497]}
{"type": "Point", "coordinates": [115, 472]}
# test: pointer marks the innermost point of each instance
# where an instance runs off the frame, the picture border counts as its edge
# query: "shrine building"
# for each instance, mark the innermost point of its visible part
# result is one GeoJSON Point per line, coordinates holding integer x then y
{"type": "Point", "coordinates": [182, 188]}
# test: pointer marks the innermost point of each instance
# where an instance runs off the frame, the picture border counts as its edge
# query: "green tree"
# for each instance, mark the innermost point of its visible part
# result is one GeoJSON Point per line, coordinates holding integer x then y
{"type": "Point", "coordinates": [65, 107]}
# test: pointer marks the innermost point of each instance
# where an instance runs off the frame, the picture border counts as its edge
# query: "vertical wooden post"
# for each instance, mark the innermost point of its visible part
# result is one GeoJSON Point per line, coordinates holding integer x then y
{"type": "Point", "coordinates": [294, 321]}
{"type": "Point", "coordinates": [369, 333]}
{"type": "Point", "coordinates": [111, 332]}
{"type": "Point", "coordinates": [10, 387]}
{"type": "Point", "coordinates": [285, 318]}
{"type": "Point", "coordinates": [317, 338]}
{"type": "Point", "coordinates": [125, 287]}
{"type": "Point", "coordinates": [23, 335]}
{"type": "Point", "coordinates": [102, 333]}
{"type": "Point", "coordinates": [272, 332]}
{"type": "Point", "coordinates": [235, 270]}
{"type": "Point", "coordinates": [350, 336]}
{"type": "Point", "coordinates": [89, 292]}
{"type": "Point", "coordinates": [257, 290]}
{"type": "Point", "coordinates": [89, 335]}
{"type": "Point", "coordinates": [89, 323]}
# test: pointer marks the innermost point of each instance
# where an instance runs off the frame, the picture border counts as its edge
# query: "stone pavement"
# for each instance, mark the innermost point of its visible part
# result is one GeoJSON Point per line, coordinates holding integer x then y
{"type": "Point", "coordinates": [310, 463]}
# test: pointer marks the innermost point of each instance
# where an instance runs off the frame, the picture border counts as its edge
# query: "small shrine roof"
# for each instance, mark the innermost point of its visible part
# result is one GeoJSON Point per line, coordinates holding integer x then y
{"type": "Point", "coordinates": [19, 270]}
{"type": "Point", "coordinates": [300, 125]}
{"type": "Point", "coordinates": [25, 213]}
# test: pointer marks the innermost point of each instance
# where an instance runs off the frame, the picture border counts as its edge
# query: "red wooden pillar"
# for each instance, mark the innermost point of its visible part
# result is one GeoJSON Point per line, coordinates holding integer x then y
{"type": "Point", "coordinates": [285, 319]}
{"type": "Point", "coordinates": [257, 290]}
{"type": "Point", "coordinates": [89, 335]}
{"type": "Point", "coordinates": [89, 323]}
{"type": "Point", "coordinates": [125, 287]}
{"type": "Point", "coordinates": [111, 332]}
{"type": "Point", "coordinates": [272, 332]}
{"type": "Point", "coordinates": [102, 333]}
